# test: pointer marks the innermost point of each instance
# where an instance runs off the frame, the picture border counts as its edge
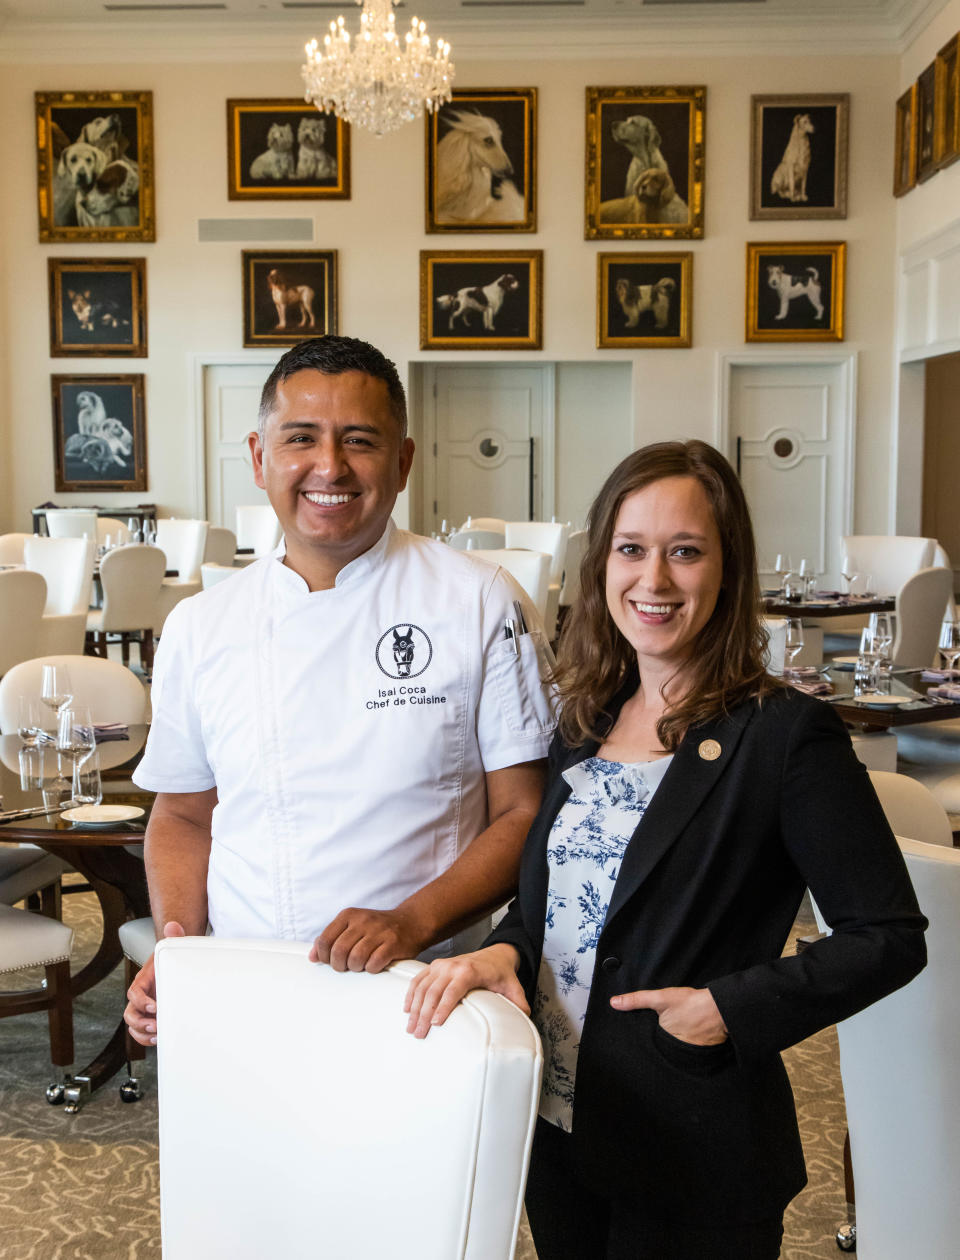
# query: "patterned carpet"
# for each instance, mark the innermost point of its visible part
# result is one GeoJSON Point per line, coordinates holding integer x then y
{"type": "Point", "coordinates": [85, 1187]}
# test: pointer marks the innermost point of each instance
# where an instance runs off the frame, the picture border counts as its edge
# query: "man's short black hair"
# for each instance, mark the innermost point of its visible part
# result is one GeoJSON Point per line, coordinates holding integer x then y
{"type": "Point", "coordinates": [333, 356]}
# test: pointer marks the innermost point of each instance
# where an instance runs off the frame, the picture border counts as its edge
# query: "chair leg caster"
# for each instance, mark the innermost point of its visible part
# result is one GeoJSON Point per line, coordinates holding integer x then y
{"type": "Point", "coordinates": [847, 1238]}
{"type": "Point", "coordinates": [76, 1091]}
{"type": "Point", "coordinates": [55, 1093]}
{"type": "Point", "coordinates": [130, 1090]}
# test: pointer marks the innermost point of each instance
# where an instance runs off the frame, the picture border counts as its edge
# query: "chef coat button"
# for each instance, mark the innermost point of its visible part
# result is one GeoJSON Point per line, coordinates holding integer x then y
{"type": "Point", "coordinates": [611, 964]}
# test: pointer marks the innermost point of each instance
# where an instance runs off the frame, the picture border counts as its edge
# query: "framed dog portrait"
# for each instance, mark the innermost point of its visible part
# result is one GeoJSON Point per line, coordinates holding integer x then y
{"type": "Point", "coordinates": [795, 291]}
{"type": "Point", "coordinates": [946, 135]}
{"type": "Point", "coordinates": [95, 166]}
{"type": "Point", "coordinates": [481, 161]}
{"type": "Point", "coordinates": [926, 119]}
{"type": "Point", "coordinates": [481, 300]}
{"type": "Point", "coordinates": [99, 433]}
{"type": "Point", "coordinates": [288, 296]}
{"type": "Point", "coordinates": [905, 143]}
{"type": "Point", "coordinates": [645, 151]}
{"type": "Point", "coordinates": [798, 156]}
{"type": "Point", "coordinates": [282, 150]}
{"type": "Point", "coordinates": [98, 307]}
{"type": "Point", "coordinates": [644, 301]}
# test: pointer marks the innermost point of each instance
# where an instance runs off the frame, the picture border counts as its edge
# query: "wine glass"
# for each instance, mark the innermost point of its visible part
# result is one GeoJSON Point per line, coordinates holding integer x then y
{"type": "Point", "coordinates": [76, 741]}
{"type": "Point", "coordinates": [884, 626]}
{"type": "Point", "coordinates": [849, 574]}
{"type": "Point", "coordinates": [55, 688]}
{"type": "Point", "coordinates": [133, 525]}
{"type": "Point", "coordinates": [783, 567]}
{"type": "Point", "coordinates": [950, 643]}
{"type": "Point", "coordinates": [29, 725]}
{"type": "Point", "coordinates": [794, 640]}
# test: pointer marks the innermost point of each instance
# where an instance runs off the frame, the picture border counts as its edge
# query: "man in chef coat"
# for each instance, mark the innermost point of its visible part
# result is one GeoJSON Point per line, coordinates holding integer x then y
{"type": "Point", "coordinates": [347, 740]}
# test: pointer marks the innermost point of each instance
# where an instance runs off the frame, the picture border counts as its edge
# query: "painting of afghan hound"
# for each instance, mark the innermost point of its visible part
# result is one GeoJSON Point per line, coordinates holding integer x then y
{"type": "Point", "coordinates": [474, 174]}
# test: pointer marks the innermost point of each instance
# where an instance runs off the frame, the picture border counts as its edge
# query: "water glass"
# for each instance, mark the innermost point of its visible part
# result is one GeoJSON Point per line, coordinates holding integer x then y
{"type": "Point", "coordinates": [31, 768]}
{"type": "Point", "coordinates": [87, 786]}
{"type": "Point", "coordinates": [30, 723]}
{"type": "Point", "coordinates": [794, 640]}
{"type": "Point", "coordinates": [865, 670]}
{"type": "Point", "coordinates": [950, 643]}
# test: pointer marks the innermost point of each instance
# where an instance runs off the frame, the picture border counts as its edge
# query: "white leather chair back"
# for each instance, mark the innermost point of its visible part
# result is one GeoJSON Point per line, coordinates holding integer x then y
{"type": "Point", "coordinates": [898, 1063]}
{"type": "Point", "coordinates": [131, 578]}
{"type": "Point", "coordinates": [11, 548]}
{"type": "Point", "coordinates": [530, 568]}
{"type": "Point", "coordinates": [299, 1119]}
{"type": "Point", "coordinates": [211, 574]}
{"type": "Point", "coordinates": [492, 523]}
{"type": "Point", "coordinates": [107, 688]}
{"type": "Point", "coordinates": [220, 547]}
{"type": "Point", "coordinates": [71, 523]}
{"type": "Point", "coordinates": [776, 652]}
{"type": "Point", "coordinates": [258, 527]}
{"type": "Point", "coordinates": [920, 606]}
{"type": "Point", "coordinates": [912, 809]}
{"type": "Point", "coordinates": [548, 536]}
{"type": "Point", "coordinates": [576, 550]}
{"type": "Point", "coordinates": [115, 529]}
{"type": "Point", "coordinates": [182, 542]}
{"type": "Point", "coordinates": [66, 565]}
{"type": "Point", "coordinates": [22, 597]}
{"type": "Point", "coordinates": [475, 539]}
{"type": "Point", "coordinates": [889, 559]}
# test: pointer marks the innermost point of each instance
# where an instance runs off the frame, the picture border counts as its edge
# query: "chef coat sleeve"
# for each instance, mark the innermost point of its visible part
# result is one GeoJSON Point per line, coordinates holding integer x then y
{"type": "Point", "coordinates": [516, 705]}
{"type": "Point", "coordinates": [175, 759]}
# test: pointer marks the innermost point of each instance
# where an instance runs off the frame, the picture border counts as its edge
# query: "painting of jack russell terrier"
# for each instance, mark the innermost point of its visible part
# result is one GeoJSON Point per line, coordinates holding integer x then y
{"type": "Point", "coordinates": [795, 292]}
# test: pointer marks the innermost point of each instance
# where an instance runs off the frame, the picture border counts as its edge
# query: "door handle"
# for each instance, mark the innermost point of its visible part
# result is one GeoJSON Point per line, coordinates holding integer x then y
{"type": "Point", "coordinates": [530, 481]}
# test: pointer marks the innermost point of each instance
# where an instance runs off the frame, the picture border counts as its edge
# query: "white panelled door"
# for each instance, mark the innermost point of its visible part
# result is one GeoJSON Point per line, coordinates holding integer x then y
{"type": "Point", "coordinates": [490, 433]}
{"type": "Point", "coordinates": [790, 432]}
{"type": "Point", "coordinates": [231, 397]}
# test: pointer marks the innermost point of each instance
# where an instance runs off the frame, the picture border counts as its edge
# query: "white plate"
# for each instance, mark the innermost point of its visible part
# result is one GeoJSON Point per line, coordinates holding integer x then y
{"type": "Point", "coordinates": [102, 815]}
{"type": "Point", "coordinates": [883, 702]}
{"type": "Point", "coordinates": [842, 660]}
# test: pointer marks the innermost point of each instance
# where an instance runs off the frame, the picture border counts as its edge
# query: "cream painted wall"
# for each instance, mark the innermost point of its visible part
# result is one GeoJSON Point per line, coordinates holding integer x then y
{"type": "Point", "coordinates": [194, 290]}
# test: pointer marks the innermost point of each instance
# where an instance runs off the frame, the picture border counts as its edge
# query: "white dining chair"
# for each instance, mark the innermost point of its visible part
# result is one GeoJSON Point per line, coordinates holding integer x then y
{"type": "Point", "coordinates": [66, 565]}
{"type": "Point", "coordinates": [548, 536]}
{"type": "Point", "coordinates": [920, 604]}
{"type": "Point", "coordinates": [114, 529]}
{"type": "Point", "coordinates": [901, 1087]}
{"type": "Point", "coordinates": [211, 574]}
{"type": "Point", "coordinates": [71, 523]}
{"type": "Point", "coordinates": [889, 559]}
{"type": "Point", "coordinates": [912, 809]}
{"type": "Point", "coordinates": [475, 539]}
{"type": "Point", "coordinates": [111, 692]}
{"type": "Point", "coordinates": [530, 568]}
{"type": "Point", "coordinates": [576, 550]}
{"type": "Point", "coordinates": [11, 548]}
{"type": "Point", "coordinates": [23, 595]}
{"type": "Point", "coordinates": [220, 547]}
{"type": "Point", "coordinates": [258, 527]}
{"type": "Point", "coordinates": [494, 524]}
{"type": "Point", "coordinates": [247, 1170]}
{"type": "Point", "coordinates": [182, 542]}
{"type": "Point", "coordinates": [131, 578]}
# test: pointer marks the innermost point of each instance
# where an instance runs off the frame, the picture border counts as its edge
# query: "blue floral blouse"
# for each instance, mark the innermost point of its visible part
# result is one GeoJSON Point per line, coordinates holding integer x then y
{"type": "Point", "coordinates": [586, 846]}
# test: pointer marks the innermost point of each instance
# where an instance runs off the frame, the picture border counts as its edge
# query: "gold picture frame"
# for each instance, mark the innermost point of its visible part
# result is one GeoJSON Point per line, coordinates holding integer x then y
{"type": "Point", "coordinates": [905, 143]}
{"type": "Point", "coordinates": [95, 166]}
{"type": "Point", "coordinates": [481, 162]}
{"type": "Point", "coordinates": [926, 123]}
{"type": "Point", "coordinates": [289, 295]}
{"type": "Point", "coordinates": [481, 299]}
{"type": "Point", "coordinates": [644, 163]}
{"type": "Point", "coordinates": [644, 301]}
{"type": "Point", "coordinates": [795, 290]}
{"type": "Point", "coordinates": [98, 307]}
{"type": "Point", "coordinates": [947, 107]}
{"type": "Point", "coordinates": [285, 149]}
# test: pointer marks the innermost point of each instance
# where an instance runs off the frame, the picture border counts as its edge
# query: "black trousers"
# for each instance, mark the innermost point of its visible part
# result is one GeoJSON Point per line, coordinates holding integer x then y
{"type": "Point", "coordinates": [569, 1221]}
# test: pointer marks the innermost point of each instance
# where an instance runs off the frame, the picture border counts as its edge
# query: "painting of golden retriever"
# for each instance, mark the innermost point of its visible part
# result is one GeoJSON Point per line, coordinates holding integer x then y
{"type": "Point", "coordinates": [95, 166]}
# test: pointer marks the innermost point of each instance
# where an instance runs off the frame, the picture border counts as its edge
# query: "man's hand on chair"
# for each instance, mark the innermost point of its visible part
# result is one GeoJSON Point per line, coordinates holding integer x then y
{"type": "Point", "coordinates": [141, 1010]}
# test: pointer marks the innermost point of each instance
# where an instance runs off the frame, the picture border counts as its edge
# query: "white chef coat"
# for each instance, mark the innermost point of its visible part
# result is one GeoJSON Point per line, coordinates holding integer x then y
{"type": "Point", "coordinates": [347, 731]}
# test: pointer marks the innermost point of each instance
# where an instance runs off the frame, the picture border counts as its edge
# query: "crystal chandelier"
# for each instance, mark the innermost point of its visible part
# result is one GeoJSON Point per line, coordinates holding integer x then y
{"type": "Point", "coordinates": [376, 82]}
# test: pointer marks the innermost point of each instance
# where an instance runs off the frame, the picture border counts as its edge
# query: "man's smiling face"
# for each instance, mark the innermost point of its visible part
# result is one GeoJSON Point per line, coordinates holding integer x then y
{"type": "Point", "coordinates": [332, 462]}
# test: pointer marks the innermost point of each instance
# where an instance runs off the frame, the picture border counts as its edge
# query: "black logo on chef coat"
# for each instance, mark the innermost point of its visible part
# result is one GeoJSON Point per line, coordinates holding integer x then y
{"type": "Point", "coordinates": [404, 651]}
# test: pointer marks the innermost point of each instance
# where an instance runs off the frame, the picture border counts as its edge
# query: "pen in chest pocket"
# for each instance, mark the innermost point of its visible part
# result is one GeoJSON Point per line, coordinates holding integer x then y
{"type": "Point", "coordinates": [510, 634]}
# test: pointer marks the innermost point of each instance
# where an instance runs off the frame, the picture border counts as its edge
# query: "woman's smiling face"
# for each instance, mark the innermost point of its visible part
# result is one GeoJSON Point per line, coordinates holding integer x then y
{"type": "Point", "coordinates": [664, 571]}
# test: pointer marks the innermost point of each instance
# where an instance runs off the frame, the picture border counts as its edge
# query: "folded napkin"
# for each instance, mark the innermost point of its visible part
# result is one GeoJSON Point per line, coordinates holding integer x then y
{"type": "Point", "coordinates": [809, 680]}
{"type": "Point", "coordinates": [827, 594]}
{"type": "Point", "coordinates": [940, 675]}
{"type": "Point", "coordinates": [946, 691]}
{"type": "Point", "coordinates": [106, 731]}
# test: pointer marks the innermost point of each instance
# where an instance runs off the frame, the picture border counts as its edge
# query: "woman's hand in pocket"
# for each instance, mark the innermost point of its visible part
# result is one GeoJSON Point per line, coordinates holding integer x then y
{"type": "Point", "coordinates": [690, 1015]}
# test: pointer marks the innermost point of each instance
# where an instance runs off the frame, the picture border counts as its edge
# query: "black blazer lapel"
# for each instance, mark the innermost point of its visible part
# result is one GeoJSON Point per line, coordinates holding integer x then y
{"type": "Point", "coordinates": [693, 772]}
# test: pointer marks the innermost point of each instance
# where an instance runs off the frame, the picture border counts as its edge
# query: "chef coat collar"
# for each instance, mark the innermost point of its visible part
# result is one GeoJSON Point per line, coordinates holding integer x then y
{"type": "Point", "coordinates": [356, 571]}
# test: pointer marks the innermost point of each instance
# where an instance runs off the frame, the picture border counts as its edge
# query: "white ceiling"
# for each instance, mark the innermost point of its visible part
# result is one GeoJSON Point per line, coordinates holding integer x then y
{"type": "Point", "coordinates": [54, 30]}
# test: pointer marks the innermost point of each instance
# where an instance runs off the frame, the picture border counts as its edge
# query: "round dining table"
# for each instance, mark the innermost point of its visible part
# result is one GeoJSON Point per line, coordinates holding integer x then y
{"type": "Point", "coordinates": [108, 856]}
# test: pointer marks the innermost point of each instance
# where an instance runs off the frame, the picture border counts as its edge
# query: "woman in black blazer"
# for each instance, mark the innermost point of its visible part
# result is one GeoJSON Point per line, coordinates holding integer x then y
{"type": "Point", "coordinates": [691, 799]}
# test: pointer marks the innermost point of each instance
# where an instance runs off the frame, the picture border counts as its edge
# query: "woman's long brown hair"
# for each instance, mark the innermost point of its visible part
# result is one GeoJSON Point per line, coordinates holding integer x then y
{"type": "Point", "coordinates": [595, 661]}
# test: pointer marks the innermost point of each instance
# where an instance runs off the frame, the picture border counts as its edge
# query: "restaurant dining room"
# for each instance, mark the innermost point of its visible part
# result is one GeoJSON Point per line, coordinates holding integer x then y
{"type": "Point", "coordinates": [595, 390]}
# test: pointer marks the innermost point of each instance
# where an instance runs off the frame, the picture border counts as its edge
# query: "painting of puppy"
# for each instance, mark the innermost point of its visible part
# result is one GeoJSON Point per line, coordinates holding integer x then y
{"type": "Point", "coordinates": [313, 160]}
{"type": "Point", "coordinates": [92, 313]}
{"type": "Point", "coordinates": [277, 160]}
{"type": "Point", "coordinates": [99, 432]}
{"type": "Point", "coordinates": [112, 199]}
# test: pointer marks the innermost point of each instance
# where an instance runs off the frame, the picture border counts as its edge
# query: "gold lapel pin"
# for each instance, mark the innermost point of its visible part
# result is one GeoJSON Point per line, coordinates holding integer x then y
{"type": "Point", "coordinates": [709, 750]}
